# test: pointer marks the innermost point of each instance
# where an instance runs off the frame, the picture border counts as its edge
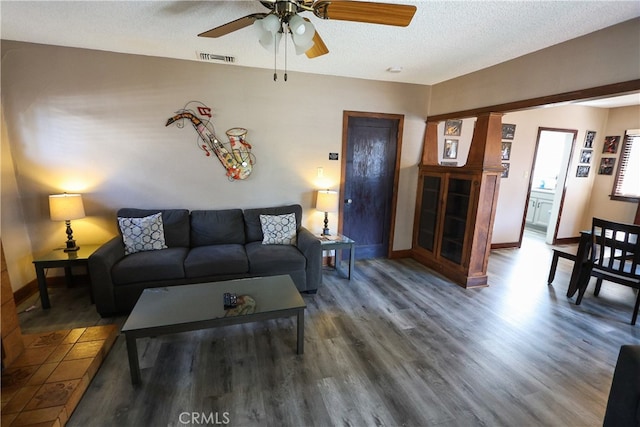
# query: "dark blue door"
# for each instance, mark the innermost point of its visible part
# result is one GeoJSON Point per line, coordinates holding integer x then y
{"type": "Point", "coordinates": [370, 162]}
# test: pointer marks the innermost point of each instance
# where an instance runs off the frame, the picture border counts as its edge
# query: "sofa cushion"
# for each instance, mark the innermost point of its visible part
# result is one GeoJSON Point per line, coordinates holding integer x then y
{"type": "Point", "coordinates": [253, 227]}
{"type": "Point", "coordinates": [142, 234]}
{"type": "Point", "coordinates": [216, 227]}
{"type": "Point", "coordinates": [278, 229]}
{"type": "Point", "coordinates": [165, 264]}
{"type": "Point", "coordinates": [174, 221]}
{"type": "Point", "coordinates": [274, 259]}
{"type": "Point", "coordinates": [216, 260]}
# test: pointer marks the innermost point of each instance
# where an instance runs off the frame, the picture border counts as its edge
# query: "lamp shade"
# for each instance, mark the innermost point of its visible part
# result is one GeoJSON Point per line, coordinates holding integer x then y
{"type": "Point", "coordinates": [302, 32]}
{"type": "Point", "coordinates": [302, 47]}
{"type": "Point", "coordinates": [63, 207]}
{"type": "Point", "coordinates": [327, 201]}
{"type": "Point", "coordinates": [268, 29]}
{"type": "Point", "coordinates": [268, 39]}
{"type": "Point", "coordinates": [271, 23]}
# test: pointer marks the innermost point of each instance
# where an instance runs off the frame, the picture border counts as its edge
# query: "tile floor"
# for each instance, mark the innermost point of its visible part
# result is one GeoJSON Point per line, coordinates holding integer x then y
{"type": "Point", "coordinates": [45, 383]}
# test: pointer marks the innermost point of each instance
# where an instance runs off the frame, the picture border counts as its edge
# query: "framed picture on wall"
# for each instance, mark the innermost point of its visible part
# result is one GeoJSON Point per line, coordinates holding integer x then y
{"type": "Point", "coordinates": [450, 149]}
{"type": "Point", "coordinates": [505, 170]}
{"type": "Point", "coordinates": [506, 150]}
{"type": "Point", "coordinates": [585, 156]}
{"type": "Point", "coordinates": [611, 144]}
{"type": "Point", "coordinates": [606, 165]}
{"type": "Point", "coordinates": [508, 131]}
{"type": "Point", "coordinates": [453, 127]}
{"type": "Point", "coordinates": [588, 138]}
{"type": "Point", "coordinates": [583, 171]}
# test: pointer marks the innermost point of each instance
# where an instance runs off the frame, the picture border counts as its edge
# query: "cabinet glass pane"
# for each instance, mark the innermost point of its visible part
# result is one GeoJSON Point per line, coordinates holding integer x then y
{"type": "Point", "coordinates": [428, 212]}
{"type": "Point", "coordinates": [455, 220]}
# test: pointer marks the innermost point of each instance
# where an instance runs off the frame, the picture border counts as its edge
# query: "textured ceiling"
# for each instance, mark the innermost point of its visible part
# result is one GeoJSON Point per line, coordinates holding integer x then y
{"type": "Point", "coordinates": [446, 39]}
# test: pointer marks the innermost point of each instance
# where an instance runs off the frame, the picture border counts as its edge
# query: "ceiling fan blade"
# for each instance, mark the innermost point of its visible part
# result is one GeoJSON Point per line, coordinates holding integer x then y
{"type": "Point", "coordinates": [318, 48]}
{"type": "Point", "coordinates": [369, 12]}
{"type": "Point", "coordinates": [232, 26]}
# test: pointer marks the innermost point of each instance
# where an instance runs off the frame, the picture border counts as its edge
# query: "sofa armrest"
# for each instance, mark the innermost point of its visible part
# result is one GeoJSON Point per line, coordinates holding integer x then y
{"type": "Point", "coordinates": [310, 247]}
{"type": "Point", "coordinates": [623, 405]}
{"type": "Point", "coordinates": [100, 264]}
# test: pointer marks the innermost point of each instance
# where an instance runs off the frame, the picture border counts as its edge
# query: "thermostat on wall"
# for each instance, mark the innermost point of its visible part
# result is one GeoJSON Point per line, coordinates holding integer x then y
{"type": "Point", "coordinates": [333, 156]}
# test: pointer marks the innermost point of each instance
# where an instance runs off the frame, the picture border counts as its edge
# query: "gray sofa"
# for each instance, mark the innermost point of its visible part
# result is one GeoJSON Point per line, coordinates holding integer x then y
{"type": "Point", "coordinates": [202, 246]}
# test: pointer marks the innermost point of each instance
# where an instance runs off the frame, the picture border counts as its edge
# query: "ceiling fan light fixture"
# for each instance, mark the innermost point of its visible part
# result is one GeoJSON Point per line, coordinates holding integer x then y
{"type": "Point", "coordinates": [283, 18]}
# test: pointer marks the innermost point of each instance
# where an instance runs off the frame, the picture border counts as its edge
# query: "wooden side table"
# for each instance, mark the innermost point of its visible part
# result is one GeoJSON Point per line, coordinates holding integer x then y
{"type": "Point", "coordinates": [59, 258]}
{"type": "Point", "coordinates": [339, 243]}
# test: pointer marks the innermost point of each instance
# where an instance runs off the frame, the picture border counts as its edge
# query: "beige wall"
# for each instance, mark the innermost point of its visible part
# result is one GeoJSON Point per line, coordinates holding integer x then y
{"type": "Point", "coordinates": [620, 119]}
{"type": "Point", "coordinates": [94, 122]}
{"type": "Point", "coordinates": [585, 197]}
{"type": "Point", "coordinates": [607, 56]}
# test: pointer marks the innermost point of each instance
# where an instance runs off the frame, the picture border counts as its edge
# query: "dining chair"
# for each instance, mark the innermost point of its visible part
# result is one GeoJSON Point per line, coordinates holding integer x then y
{"type": "Point", "coordinates": [557, 253]}
{"type": "Point", "coordinates": [614, 257]}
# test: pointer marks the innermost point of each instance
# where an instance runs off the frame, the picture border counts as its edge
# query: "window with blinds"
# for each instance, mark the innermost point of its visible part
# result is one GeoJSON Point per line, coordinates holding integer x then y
{"type": "Point", "coordinates": [627, 183]}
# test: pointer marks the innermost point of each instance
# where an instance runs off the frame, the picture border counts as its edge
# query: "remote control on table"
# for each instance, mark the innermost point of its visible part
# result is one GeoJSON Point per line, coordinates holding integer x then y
{"type": "Point", "coordinates": [230, 300]}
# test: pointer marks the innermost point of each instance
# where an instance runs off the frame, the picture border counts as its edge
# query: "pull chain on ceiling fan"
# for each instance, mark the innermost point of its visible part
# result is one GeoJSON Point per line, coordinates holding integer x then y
{"type": "Point", "coordinates": [284, 18]}
{"type": "Point", "coordinates": [271, 28]}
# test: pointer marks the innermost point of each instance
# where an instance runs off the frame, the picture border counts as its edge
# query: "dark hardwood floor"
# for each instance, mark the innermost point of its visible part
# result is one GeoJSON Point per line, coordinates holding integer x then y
{"type": "Point", "coordinates": [397, 345]}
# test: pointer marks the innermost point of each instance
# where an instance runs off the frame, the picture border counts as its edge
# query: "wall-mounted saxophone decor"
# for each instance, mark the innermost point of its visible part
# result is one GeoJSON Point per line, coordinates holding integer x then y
{"type": "Point", "coordinates": [237, 159]}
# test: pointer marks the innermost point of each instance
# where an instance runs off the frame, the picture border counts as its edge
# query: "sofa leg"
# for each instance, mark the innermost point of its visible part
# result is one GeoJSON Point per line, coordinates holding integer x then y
{"type": "Point", "coordinates": [311, 292]}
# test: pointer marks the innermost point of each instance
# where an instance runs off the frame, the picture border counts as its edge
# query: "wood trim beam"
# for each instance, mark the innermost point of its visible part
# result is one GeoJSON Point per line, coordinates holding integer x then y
{"type": "Point", "coordinates": [584, 94]}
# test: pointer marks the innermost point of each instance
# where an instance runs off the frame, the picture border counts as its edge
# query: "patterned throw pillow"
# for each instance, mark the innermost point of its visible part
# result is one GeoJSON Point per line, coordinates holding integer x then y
{"type": "Point", "coordinates": [279, 229]}
{"type": "Point", "coordinates": [142, 234]}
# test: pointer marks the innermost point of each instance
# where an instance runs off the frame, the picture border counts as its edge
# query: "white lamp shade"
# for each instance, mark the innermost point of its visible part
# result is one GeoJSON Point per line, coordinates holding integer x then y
{"type": "Point", "coordinates": [267, 40]}
{"type": "Point", "coordinates": [64, 207]}
{"type": "Point", "coordinates": [302, 32]}
{"type": "Point", "coordinates": [296, 25]}
{"type": "Point", "coordinates": [302, 48]}
{"type": "Point", "coordinates": [268, 29]}
{"type": "Point", "coordinates": [327, 201]}
{"type": "Point", "coordinates": [270, 23]}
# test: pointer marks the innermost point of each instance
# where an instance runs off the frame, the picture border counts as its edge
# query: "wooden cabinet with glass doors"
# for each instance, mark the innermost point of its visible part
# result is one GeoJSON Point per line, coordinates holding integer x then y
{"type": "Point", "coordinates": [455, 206]}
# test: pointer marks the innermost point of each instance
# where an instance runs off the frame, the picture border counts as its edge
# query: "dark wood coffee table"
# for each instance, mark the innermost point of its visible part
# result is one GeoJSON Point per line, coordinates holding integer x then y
{"type": "Point", "coordinates": [175, 309]}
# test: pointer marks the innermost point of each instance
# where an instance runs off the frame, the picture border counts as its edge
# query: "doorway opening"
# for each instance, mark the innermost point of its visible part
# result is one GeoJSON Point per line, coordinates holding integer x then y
{"type": "Point", "coordinates": [547, 183]}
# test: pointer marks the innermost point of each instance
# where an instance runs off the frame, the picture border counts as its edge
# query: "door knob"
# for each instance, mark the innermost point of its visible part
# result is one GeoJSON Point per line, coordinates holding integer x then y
{"type": "Point", "coordinates": [348, 201]}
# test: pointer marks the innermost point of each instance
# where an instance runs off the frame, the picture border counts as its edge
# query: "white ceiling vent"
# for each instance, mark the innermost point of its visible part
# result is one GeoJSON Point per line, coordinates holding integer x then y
{"type": "Point", "coordinates": [210, 57]}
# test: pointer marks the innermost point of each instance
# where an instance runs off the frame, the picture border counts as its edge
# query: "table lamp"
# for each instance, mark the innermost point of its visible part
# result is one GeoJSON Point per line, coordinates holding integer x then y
{"type": "Point", "coordinates": [327, 201]}
{"type": "Point", "coordinates": [65, 207]}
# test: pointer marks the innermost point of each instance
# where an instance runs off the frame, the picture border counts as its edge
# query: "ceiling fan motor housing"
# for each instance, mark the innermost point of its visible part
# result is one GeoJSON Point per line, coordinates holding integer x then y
{"type": "Point", "coordinates": [286, 8]}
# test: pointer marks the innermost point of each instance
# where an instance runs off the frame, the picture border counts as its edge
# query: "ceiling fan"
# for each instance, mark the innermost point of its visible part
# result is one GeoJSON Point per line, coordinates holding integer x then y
{"type": "Point", "coordinates": [284, 18]}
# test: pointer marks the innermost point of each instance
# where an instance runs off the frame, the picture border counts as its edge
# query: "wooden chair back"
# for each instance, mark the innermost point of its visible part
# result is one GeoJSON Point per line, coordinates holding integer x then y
{"type": "Point", "coordinates": [615, 252]}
